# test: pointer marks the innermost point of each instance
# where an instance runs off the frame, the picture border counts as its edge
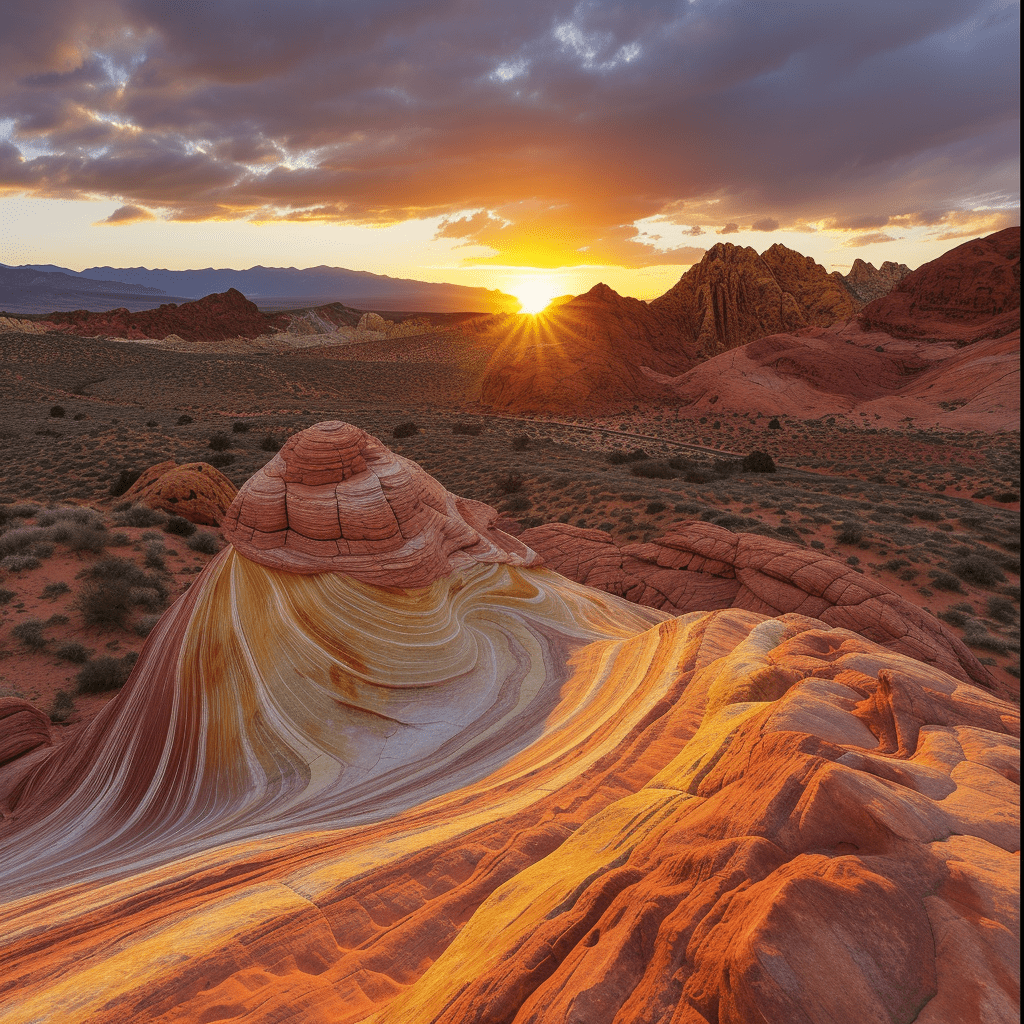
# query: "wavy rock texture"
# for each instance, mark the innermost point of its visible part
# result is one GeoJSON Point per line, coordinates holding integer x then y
{"type": "Point", "coordinates": [196, 491]}
{"type": "Point", "coordinates": [697, 566]}
{"type": "Point", "coordinates": [505, 796]}
{"type": "Point", "coordinates": [336, 499]}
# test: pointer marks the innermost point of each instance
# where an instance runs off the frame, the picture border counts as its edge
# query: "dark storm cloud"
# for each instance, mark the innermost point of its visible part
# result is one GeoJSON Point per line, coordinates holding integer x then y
{"type": "Point", "coordinates": [543, 130]}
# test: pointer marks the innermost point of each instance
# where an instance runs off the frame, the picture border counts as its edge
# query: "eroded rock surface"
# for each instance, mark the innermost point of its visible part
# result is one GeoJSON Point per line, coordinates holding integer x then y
{"type": "Point", "coordinates": [195, 491]}
{"type": "Point", "coordinates": [867, 284]}
{"type": "Point", "coordinates": [335, 499]}
{"type": "Point", "coordinates": [508, 796]}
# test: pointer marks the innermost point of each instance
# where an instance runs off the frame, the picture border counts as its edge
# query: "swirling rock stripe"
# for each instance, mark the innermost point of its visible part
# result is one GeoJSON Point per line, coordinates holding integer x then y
{"type": "Point", "coordinates": [723, 817]}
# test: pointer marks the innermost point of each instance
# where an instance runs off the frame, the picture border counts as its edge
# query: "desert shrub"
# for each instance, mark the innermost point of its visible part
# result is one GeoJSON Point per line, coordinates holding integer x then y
{"type": "Point", "coordinates": [240, 427]}
{"type": "Point", "coordinates": [19, 539]}
{"type": "Point", "coordinates": [83, 538]}
{"type": "Point", "coordinates": [654, 507]}
{"type": "Point", "coordinates": [818, 545]}
{"type": "Point", "coordinates": [510, 483]}
{"type": "Point", "coordinates": [6, 596]}
{"type": "Point", "coordinates": [62, 707]}
{"type": "Point", "coordinates": [717, 425]}
{"type": "Point", "coordinates": [79, 416]}
{"type": "Point", "coordinates": [516, 503]}
{"type": "Point", "coordinates": [699, 476]}
{"type": "Point", "coordinates": [30, 633]}
{"type": "Point", "coordinates": [758, 462]}
{"type": "Point", "coordinates": [520, 442]}
{"type": "Point", "coordinates": [774, 424]}
{"type": "Point", "coordinates": [1006, 497]}
{"type": "Point", "coordinates": [472, 429]}
{"type": "Point", "coordinates": [407, 429]}
{"type": "Point", "coordinates": [620, 458]}
{"type": "Point", "coordinates": [139, 515]}
{"type": "Point", "coordinates": [1002, 610]}
{"type": "Point", "coordinates": [977, 569]}
{"type": "Point", "coordinates": [54, 590]}
{"type": "Point", "coordinates": [948, 582]}
{"type": "Point", "coordinates": [980, 639]}
{"type": "Point", "coordinates": [219, 442]}
{"type": "Point", "coordinates": [221, 459]}
{"type": "Point", "coordinates": [57, 411]}
{"type": "Point", "coordinates": [106, 673]}
{"type": "Point", "coordinates": [652, 470]}
{"type": "Point", "coordinates": [19, 563]}
{"type": "Point", "coordinates": [123, 481]}
{"type": "Point", "coordinates": [853, 560]}
{"type": "Point", "coordinates": [155, 557]}
{"type": "Point", "coordinates": [270, 443]}
{"type": "Point", "coordinates": [204, 542]}
{"type": "Point", "coordinates": [184, 420]}
{"type": "Point", "coordinates": [954, 616]}
{"type": "Point", "coordinates": [68, 514]}
{"type": "Point", "coordinates": [47, 432]}
{"type": "Point", "coordinates": [849, 532]}
{"type": "Point", "coordinates": [145, 625]}
{"type": "Point", "coordinates": [722, 468]}
{"type": "Point", "coordinates": [76, 653]}
{"type": "Point", "coordinates": [115, 586]}
{"type": "Point", "coordinates": [179, 526]}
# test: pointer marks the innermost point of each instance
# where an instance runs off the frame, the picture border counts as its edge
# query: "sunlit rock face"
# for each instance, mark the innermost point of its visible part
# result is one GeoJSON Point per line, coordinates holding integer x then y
{"type": "Point", "coordinates": [504, 796]}
{"type": "Point", "coordinates": [196, 491]}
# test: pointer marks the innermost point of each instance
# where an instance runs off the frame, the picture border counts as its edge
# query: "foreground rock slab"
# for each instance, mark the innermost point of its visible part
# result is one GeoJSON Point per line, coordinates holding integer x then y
{"type": "Point", "coordinates": [505, 796]}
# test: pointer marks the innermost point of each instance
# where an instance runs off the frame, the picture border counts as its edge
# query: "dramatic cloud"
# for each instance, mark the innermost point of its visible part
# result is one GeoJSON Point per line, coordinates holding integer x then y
{"type": "Point", "coordinates": [543, 131]}
{"type": "Point", "coordinates": [128, 215]}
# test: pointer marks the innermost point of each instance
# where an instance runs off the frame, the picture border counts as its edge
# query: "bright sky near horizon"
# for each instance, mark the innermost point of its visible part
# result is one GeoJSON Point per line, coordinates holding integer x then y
{"type": "Point", "coordinates": [535, 146]}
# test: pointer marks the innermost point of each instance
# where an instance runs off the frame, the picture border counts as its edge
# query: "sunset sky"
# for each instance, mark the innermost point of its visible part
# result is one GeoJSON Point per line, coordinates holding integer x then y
{"type": "Point", "coordinates": [498, 142]}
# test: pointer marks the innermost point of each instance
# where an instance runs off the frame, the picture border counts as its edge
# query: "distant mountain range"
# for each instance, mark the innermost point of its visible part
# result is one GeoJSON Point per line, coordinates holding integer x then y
{"type": "Point", "coordinates": [45, 288]}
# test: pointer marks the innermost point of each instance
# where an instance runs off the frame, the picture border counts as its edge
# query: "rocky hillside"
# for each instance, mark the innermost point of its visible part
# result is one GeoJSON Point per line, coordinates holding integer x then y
{"type": "Point", "coordinates": [867, 284]}
{"type": "Point", "coordinates": [969, 293]}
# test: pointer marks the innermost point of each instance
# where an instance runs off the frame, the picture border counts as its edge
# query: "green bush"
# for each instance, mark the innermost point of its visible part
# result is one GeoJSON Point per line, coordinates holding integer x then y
{"type": "Point", "coordinates": [30, 633]}
{"type": "Point", "coordinates": [204, 542]}
{"type": "Point", "coordinates": [179, 526]}
{"type": "Point", "coordinates": [106, 673]}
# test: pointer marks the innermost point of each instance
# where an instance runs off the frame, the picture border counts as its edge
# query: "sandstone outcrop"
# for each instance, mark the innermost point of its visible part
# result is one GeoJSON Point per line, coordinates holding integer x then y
{"type": "Point", "coordinates": [196, 491]}
{"type": "Point", "coordinates": [23, 728]}
{"type": "Point", "coordinates": [700, 566]}
{"type": "Point", "coordinates": [866, 283]}
{"type": "Point", "coordinates": [822, 300]}
{"type": "Point", "coordinates": [335, 499]}
{"type": "Point", "coordinates": [214, 318]}
{"type": "Point", "coordinates": [970, 293]}
{"type": "Point", "coordinates": [504, 795]}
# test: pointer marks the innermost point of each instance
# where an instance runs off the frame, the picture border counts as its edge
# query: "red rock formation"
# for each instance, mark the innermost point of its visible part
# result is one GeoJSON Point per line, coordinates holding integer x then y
{"type": "Point", "coordinates": [195, 491]}
{"type": "Point", "coordinates": [867, 284]}
{"type": "Point", "coordinates": [967, 294]}
{"type": "Point", "coordinates": [506, 796]}
{"type": "Point", "coordinates": [335, 499]}
{"type": "Point", "coordinates": [23, 728]}
{"type": "Point", "coordinates": [213, 318]}
{"type": "Point", "coordinates": [580, 356]}
{"type": "Point", "coordinates": [821, 298]}
{"type": "Point", "coordinates": [699, 566]}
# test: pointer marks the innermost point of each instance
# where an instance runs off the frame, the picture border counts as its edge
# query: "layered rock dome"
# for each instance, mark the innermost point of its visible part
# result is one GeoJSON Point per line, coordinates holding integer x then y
{"type": "Point", "coordinates": [493, 793]}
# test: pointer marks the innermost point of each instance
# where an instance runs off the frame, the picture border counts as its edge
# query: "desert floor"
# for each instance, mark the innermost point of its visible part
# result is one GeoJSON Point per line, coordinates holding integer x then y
{"type": "Point", "coordinates": [932, 514]}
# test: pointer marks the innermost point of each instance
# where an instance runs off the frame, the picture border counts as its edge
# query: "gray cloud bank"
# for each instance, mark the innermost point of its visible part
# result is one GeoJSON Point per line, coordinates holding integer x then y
{"type": "Point", "coordinates": [563, 123]}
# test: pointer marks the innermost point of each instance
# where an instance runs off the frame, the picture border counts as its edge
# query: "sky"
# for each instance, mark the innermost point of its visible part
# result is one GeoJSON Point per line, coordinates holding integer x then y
{"type": "Point", "coordinates": [514, 145]}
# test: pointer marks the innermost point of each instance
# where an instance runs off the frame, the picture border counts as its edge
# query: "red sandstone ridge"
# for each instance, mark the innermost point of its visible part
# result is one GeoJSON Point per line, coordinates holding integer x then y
{"type": "Point", "coordinates": [969, 293]}
{"type": "Point", "coordinates": [216, 317]}
{"type": "Point", "coordinates": [582, 355]}
{"type": "Point", "coordinates": [700, 566]}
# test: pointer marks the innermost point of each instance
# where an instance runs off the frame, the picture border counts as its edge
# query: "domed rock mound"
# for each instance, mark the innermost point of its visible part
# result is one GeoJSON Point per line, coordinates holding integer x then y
{"type": "Point", "coordinates": [195, 491]}
{"type": "Point", "coordinates": [335, 499]}
{"type": "Point", "coordinates": [506, 796]}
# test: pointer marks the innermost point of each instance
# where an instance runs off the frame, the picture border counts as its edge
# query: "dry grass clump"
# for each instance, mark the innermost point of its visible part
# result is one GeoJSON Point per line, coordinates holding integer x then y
{"type": "Point", "coordinates": [115, 587]}
{"type": "Point", "coordinates": [204, 542]}
{"type": "Point", "coordinates": [30, 633]}
{"type": "Point", "coordinates": [105, 673]}
{"type": "Point", "coordinates": [62, 708]}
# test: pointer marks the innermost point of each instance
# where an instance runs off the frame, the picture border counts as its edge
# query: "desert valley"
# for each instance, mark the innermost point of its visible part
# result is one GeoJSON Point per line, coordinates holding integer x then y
{"type": "Point", "coordinates": [631, 661]}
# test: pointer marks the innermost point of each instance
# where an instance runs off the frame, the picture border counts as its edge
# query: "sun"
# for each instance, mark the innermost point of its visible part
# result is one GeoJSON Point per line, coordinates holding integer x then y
{"type": "Point", "coordinates": [534, 293]}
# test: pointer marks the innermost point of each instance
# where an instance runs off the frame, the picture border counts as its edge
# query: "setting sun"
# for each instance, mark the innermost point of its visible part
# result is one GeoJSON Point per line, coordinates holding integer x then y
{"type": "Point", "coordinates": [534, 293]}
